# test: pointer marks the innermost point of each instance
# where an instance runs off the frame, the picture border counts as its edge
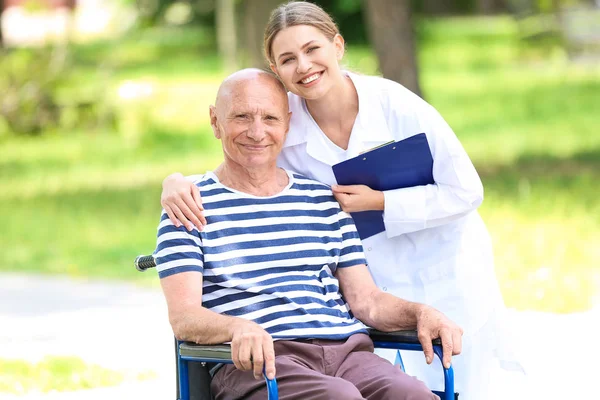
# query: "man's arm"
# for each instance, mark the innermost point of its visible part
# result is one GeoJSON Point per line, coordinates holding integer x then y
{"type": "Point", "coordinates": [251, 345]}
{"type": "Point", "coordinates": [389, 313]}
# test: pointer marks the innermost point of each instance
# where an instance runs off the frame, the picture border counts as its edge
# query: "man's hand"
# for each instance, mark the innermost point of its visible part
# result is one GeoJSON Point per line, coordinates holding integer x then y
{"type": "Point", "coordinates": [251, 348]}
{"type": "Point", "coordinates": [181, 200]}
{"type": "Point", "coordinates": [432, 324]}
{"type": "Point", "coordinates": [354, 198]}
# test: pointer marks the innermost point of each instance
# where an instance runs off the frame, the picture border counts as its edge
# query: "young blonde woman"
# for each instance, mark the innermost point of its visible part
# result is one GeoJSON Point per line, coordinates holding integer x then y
{"type": "Point", "coordinates": [435, 248]}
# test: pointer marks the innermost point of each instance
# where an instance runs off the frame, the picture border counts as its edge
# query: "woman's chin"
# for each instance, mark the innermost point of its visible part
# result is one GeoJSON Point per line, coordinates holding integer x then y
{"type": "Point", "coordinates": [309, 93]}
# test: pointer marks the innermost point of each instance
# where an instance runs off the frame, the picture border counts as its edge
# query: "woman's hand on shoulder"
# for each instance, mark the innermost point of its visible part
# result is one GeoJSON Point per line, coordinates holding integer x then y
{"type": "Point", "coordinates": [354, 198]}
{"type": "Point", "coordinates": [182, 201]}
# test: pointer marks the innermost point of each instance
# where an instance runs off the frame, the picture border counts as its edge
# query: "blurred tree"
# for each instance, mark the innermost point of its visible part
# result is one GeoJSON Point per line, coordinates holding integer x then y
{"type": "Point", "coordinates": [151, 11]}
{"type": "Point", "coordinates": [70, 24]}
{"type": "Point", "coordinates": [41, 93]}
{"type": "Point", "coordinates": [491, 6]}
{"type": "Point", "coordinates": [256, 15]}
{"type": "Point", "coordinates": [390, 28]}
{"type": "Point", "coordinates": [226, 35]}
{"type": "Point", "coordinates": [1, 35]}
{"type": "Point", "coordinates": [439, 7]}
{"type": "Point", "coordinates": [348, 15]}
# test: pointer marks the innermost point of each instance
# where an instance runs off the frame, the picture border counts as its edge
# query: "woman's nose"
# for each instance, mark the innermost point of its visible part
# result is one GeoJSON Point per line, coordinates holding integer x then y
{"type": "Point", "coordinates": [304, 65]}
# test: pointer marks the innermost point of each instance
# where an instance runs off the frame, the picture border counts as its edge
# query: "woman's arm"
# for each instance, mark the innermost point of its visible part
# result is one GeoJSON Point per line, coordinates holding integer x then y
{"type": "Point", "coordinates": [457, 190]}
{"type": "Point", "coordinates": [182, 201]}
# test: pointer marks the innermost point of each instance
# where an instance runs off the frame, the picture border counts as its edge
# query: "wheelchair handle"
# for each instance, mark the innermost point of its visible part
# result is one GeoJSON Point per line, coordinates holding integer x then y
{"type": "Point", "coordinates": [142, 263]}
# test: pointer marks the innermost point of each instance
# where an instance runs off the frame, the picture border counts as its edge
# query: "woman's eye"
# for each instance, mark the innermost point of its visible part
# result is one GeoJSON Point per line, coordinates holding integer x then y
{"type": "Point", "coordinates": [286, 60]}
{"type": "Point", "coordinates": [310, 49]}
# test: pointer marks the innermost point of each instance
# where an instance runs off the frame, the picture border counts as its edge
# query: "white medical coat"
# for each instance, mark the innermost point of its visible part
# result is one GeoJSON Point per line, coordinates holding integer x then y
{"type": "Point", "coordinates": [435, 249]}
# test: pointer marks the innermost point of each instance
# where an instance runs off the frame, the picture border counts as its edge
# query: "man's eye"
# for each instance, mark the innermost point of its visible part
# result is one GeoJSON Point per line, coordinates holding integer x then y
{"type": "Point", "coordinates": [270, 117]}
{"type": "Point", "coordinates": [242, 116]}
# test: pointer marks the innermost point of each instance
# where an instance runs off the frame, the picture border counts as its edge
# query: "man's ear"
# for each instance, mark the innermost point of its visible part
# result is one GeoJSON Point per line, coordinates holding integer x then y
{"type": "Point", "coordinates": [214, 123]}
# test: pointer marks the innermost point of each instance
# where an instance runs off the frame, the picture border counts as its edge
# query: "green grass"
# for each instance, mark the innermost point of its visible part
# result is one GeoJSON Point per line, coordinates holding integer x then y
{"type": "Point", "coordinates": [54, 374]}
{"type": "Point", "coordinates": [86, 204]}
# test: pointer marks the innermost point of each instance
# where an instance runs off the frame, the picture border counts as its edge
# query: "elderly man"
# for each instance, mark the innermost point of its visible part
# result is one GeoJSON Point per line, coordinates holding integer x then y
{"type": "Point", "coordinates": [279, 270]}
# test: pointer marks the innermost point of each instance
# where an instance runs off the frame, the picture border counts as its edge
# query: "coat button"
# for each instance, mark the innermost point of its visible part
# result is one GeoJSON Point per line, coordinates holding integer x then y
{"type": "Point", "coordinates": [384, 289]}
{"type": "Point", "coordinates": [369, 249]}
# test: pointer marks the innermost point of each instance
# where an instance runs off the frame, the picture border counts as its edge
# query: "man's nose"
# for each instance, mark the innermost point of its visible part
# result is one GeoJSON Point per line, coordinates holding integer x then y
{"type": "Point", "coordinates": [304, 64]}
{"type": "Point", "coordinates": [256, 130]}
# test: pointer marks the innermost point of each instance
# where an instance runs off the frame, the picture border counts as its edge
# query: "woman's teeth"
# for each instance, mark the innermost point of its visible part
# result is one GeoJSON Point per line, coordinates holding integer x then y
{"type": "Point", "coordinates": [310, 78]}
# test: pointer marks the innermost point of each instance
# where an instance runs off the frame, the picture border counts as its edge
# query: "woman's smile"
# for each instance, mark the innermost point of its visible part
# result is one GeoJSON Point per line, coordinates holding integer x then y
{"type": "Point", "coordinates": [312, 78]}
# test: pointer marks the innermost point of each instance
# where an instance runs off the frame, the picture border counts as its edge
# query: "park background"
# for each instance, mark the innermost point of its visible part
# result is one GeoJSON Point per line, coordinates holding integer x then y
{"type": "Point", "coordinates": [100, 100]}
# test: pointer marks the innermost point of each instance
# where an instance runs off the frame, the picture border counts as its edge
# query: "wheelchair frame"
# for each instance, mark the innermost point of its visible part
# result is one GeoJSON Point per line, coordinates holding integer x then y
{"type": "Point", "coordinates": [187, 352]}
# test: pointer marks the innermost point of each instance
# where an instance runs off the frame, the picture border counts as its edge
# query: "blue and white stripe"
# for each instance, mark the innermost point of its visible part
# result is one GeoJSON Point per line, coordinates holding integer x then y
{"type": "Point", "coordinates": [272, 259]}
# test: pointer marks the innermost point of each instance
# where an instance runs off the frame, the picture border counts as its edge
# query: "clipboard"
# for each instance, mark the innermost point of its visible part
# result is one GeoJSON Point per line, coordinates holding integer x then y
{"type": "Point", "coordinates": [396, 165]}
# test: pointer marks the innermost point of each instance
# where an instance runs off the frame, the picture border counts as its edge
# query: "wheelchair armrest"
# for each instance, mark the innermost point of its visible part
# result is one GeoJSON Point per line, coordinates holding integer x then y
{"type": "Point", "coordinates": [211, 353]}
{"type": "Point", "coordinates": [222, 352]}
{"type": "Point", "coordinates": [216, 353]}
{"type": "Point", "coordinates": [410, 337]}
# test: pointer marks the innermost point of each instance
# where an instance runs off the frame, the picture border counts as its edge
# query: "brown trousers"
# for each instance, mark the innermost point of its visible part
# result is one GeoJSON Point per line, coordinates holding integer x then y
{"type": "Point", "coordinates": [324, 370]}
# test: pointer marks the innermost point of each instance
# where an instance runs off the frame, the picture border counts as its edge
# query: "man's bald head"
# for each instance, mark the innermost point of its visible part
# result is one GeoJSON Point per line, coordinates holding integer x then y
{"type": "Point", "coordinates": [237, 84]}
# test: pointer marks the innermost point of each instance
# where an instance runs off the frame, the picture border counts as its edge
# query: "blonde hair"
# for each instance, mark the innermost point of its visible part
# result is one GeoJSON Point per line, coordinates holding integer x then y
{"type": "Point", "coordinates": [297, 13]}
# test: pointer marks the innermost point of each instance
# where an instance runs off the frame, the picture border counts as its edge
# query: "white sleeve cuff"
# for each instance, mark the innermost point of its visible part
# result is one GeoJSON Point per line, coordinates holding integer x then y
{"type": "Point", "coordinates": [404, 210]}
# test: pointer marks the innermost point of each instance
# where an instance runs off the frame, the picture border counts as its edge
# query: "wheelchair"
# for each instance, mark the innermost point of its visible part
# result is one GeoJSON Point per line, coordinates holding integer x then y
{"type": "Point", "coordinates": [196, 363]}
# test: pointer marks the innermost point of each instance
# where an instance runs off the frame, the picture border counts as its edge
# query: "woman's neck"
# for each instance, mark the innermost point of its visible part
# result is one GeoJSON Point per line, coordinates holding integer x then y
{"type": "Point", "coordinates": [260, 181]}
{"type": "Point", "coordinates": [336, 112]}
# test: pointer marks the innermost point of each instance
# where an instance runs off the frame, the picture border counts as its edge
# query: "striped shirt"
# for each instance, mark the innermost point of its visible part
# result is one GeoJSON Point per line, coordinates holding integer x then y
{"type": "Point", "coordinates": [271, 259]}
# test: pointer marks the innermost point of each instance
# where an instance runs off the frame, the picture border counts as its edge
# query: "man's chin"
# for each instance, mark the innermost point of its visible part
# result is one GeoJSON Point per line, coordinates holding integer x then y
{"type": "Point", "coordinates": [258, 162]}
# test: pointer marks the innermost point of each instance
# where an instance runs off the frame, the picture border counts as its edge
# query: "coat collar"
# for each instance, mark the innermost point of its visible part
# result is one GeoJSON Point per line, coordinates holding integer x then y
{"type": "Point", "coordinates": [370, 128]}
{"type": "Point", "coordinates": [371, 121]}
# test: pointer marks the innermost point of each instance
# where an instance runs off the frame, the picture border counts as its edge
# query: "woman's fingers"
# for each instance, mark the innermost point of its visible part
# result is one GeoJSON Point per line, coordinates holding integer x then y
{"type": "Point", "coordinates": [343, 199]}
{"type": "Point", "coordinates": [180, 217]}
{"type": "Point", "coordinates": [182, 203]}
{"type": "Point", "coordinates": [183, 200]}
{"type": "Point", "coordinates": [198, 200]}
{"type": "Point", "coordinates": [362, 199]}
{"type": "Point", "coordinates": [350, 189]}
{"type": "Point", "coordinates": [172, 216]}
{"type": "Point", "coordinates": [192, 211]}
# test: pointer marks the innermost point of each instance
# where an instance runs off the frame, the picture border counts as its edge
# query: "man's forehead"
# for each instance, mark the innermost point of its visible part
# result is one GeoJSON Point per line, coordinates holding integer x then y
{"type": "Point", "coordinates": [258, 87]}
{"type": "Point", "coordinates": [254, 105]}
{"type": "Point", "coordinates": [254, 97]}
{"type": "Point", "coordinates": [251, 80]}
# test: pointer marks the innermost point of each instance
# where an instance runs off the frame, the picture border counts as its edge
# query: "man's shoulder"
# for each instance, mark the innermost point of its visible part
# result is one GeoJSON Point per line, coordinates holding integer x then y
{"type": "Point", "coordinates": [305, 183]}
{"type": "Point", "coordinates": [201, 180]}
{"type": "Point", "coordinates": [209, 185]}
